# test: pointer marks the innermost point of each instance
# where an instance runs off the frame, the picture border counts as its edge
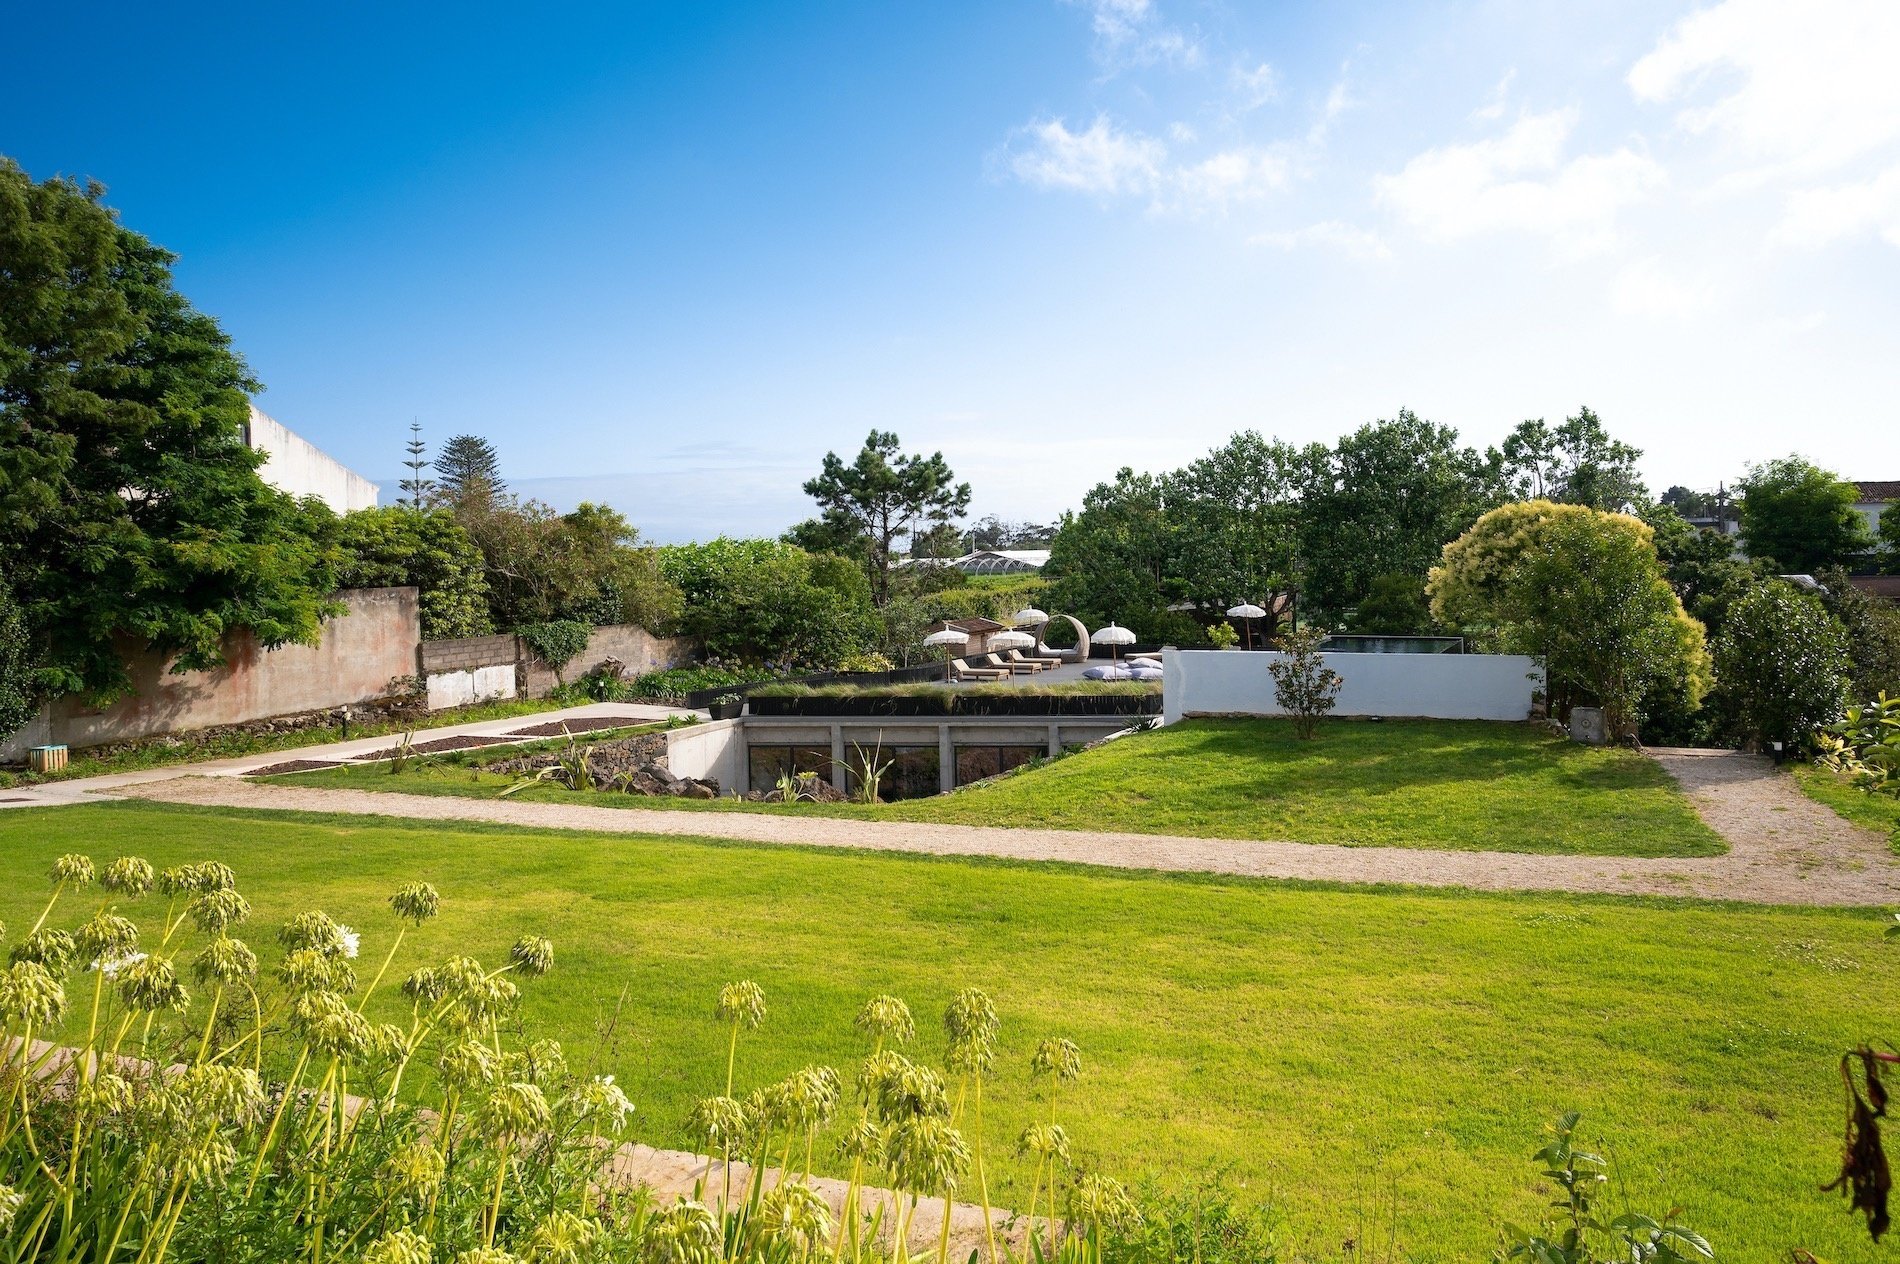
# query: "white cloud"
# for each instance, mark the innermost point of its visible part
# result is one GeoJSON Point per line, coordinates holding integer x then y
{"type": "Point", "coordinates": [1520, 182]}
{"type": "Point", "coordinates": [1102, 160]}
{"type": "Point", "coordinates": [1493, 108]}
{"type": "Point", "coordinates": [1810, 84]}
{"type": "Point", "coordinates": [1332, 234]}
{"type": "Point", "coordinates": [1819, 216]}
{"type": "Point", "coordinates": [1131, 33]}
{"type": "Point", "coordinates": [1339, 99]}
{"type": "Point", "coordinates": [1108, 162]}
{"type": "Point", "coordinates": [1257, 87]}
{"type": "Point", "coordinates": [1648, 289]}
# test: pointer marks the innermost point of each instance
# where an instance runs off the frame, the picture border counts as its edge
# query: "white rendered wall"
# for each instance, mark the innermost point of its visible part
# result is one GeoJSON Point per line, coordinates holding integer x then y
{"type": "Point", "coordinates": [1437, 686]}
{"type": "Point", "coordinates": [715, 751]}
{"type": "Point", "coordinates": [476, 684]}
{"type": "Point", "coordinates": [297, 466]}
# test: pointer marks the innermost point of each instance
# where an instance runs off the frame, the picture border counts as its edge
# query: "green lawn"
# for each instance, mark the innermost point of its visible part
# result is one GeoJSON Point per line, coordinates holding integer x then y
{"type": "Point", "coordinates": [1875, 811]}
{"type": "Point", "coordinates": [1334, 1049]}
{"type": "Point", "coordinates": [1458, 785]}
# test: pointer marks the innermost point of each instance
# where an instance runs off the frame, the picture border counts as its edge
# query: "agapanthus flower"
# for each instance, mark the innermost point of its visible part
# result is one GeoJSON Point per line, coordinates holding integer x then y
{"type": "Point", "coordinates": [1057, 1057]}
{"type": "Point", "coordinates": [105, 935]}
{"type": "Point", "coordinates": [315, 931]}
{"type": "Point", "coordinates": [685, 1233]}
{"type": "Point", "coordinates": [488, 1255]}
{"type": "Point", "coordinates": [517, 1107]}
{"type": "Point", "coordinates": [742, 1003]}
{"type": "Point", "coordinates": [51, 948]}
{"type": "Point", "coordinates": [899, 1088]}
{"type": "Point", "coordinates": [1102, 1200]}
{"type": "Point", "coordinates": [113, 966]}
{"type": "Point", "coordinates": [215, 912]}
{"type": "Point", "coordinates": [30, 993]}
{"type": "Point", "coordinates": [561, 1238]}
{"type": "Point", "coordinates": [888, 1018]}
{"type": "Point", "coordinates": [601, 1099]}
{"type": "Point", "coordinates": [204, 1158]}
{"type": "Point", "coordinates": [230, 1094]}
{"type": "Point", "coordinates": [925, 1155]}
{"type": "Point", "coordinates": [416, 903]}
{"type": "Point", "coordinates": [151, 984]}
{"type": "Point", "coordinates": [861, 1139]}
{"type": "Point", "coordinates": [1045, 1141]}
{"type": "Point", "coordinates": [415, 1168]}
{"type": "Point", "coordinates": [466, 1063]}
{"type": "Point", "coordinates": [721, 1121]}
{"type": "Point", "coordinates": [399, 1246]}
{"type": "Point", "coordinates": [532, 954]}
{"type": "Point", "coordinates": [425, 983]}
{"type": "Point", "coordinates": [971, 1023]}
{"type": "Point", "coordinates": [306, 970]}
{"type": "Point", "coordinates": [206, 875]}
{"type": "Point", "coordinates": [73, 870]}
{"type": "Point", "coordinates": [11, 1200]}
{"type": "Point", "coordinates": [130, 876]}
{"type": "Point", "coordinates": [328, 1022]}
{"type": "Point", "coordinates": [808, 1097]}
{"type": "Point", "coordinates": [225, 960]}
{"type": "Point", "coordinates": [795, 1216]}
{"type": "Point", "coordinates": [351, 941]}
{"type": "Point", "coordinates": [105, 1094]}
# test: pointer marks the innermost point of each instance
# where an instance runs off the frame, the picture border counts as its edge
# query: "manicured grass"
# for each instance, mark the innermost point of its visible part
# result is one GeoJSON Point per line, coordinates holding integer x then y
{"type": "Point", "coordinates": [1332, 1048]}
{"type": "Point", "coordinates": [1453, 785]}
{"type": "Point", "coordinates": [1875, 811]}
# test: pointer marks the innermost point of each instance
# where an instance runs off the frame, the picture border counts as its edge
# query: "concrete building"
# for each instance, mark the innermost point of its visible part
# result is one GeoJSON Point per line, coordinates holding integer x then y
{"type": "Point", "coordinates": [297, 466]}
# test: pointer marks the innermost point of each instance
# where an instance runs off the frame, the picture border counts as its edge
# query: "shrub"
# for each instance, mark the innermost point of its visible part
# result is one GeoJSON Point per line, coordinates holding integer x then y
{"type": "Point", "coordinates": [1582, 1232]}
{"type": "Point", "coordinates": [19, 701]}
{"type": "Point", "coordinates": [1782, 663]}
{"type": "Point", "coordinates": [1303, 685]}
{"type": "Point", "coordinates": [1222, 636]}
{"type": "Point", "coordinates": [556, 643]}
{"type": "Point", "coordinates": [401, 547]}
{"type": "Point", "coordinates": [763, 601]}
{"type": "Point", "coordinates": [677, 682]}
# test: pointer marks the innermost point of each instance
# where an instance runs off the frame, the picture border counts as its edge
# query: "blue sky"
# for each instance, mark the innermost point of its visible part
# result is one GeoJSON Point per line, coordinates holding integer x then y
{"type": "Point", "coordinates": [667, 256]}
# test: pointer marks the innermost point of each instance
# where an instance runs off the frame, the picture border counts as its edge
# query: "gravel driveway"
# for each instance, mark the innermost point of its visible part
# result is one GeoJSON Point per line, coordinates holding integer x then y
{"type": "Point", "coordinates": [1784, 847]}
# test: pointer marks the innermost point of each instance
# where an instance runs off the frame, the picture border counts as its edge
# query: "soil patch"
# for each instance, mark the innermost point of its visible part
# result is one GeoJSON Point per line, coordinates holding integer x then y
{"type": "Point", "coordinates": [436, 747]}
{"type": "Point", "coordinates": [294, 765]}
{"type": "Point", "coordinates": [580, 724]}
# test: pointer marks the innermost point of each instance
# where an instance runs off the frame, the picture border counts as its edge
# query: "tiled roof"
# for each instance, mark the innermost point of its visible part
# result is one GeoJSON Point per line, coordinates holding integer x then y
{"type": "Point", "coordinates": [1887, 489]}
{"type": "Point", "coordinates": [1887, 586]}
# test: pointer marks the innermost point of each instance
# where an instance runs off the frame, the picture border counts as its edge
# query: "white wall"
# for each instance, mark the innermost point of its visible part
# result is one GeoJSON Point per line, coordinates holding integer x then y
{"type": "Point", "coordinates": [713, 751]}
{"type": "Point", "coordinates": [1438, 686]}
{"type": "Point", "coordinates": [472, 684]}
{"type": "Point", "coordinates": [297, 466]}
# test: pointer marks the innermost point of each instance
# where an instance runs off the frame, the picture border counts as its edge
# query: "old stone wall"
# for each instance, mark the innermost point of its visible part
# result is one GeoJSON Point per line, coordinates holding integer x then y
{"type": "Point", "coordinates": [638, 650]}
{"type": "Point", "coordinates": [368, 652]}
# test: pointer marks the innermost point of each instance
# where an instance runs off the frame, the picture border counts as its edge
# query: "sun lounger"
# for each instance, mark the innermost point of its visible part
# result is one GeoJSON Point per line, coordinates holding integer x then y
{"type": "Point", "coordinates": [1016, 657]}
{"type": "Point", "coordinates": [1014, 669]}
{"type": "Point", "coordinates": [963, 670]}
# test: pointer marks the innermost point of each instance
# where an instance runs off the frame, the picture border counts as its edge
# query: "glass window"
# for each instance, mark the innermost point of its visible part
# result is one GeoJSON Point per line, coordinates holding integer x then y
{"type": "Point", "coordinates": [977, 762]}
{"type": "Point", "coordinates": [766, 764]}
{"type": "Point", "coordinates": [911, 774]}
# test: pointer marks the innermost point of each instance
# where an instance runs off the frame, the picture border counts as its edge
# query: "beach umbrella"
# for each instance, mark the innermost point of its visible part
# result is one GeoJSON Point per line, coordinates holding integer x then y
{"type": "Point", "coordinates": [1248, 611]}
{"type": "Point", "coordinates": [1114, 638]}
{"type": "Point", "coordinates": [948, 637]}
{"type": "Point", "coordinates": [1011, 641]}
{"type": "Point", "coordinates": [1029, 617]}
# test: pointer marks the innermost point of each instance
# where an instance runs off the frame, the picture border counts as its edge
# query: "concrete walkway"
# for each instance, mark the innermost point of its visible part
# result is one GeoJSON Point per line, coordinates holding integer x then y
{"type": "Point", "coordinates": [1784, 847]}
{"type": "Point", "coordinates": [80, 789]}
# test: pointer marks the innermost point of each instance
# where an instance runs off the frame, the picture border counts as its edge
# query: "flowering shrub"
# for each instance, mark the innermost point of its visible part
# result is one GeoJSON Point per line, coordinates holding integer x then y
{"type": "Point", "coordinates": [166, 1095]}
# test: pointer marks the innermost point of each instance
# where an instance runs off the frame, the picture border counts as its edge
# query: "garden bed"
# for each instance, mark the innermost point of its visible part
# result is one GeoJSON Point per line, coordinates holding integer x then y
{"type": "Point", "coordinates": [583, 724]}
{"type": "Point", "coordinates": [294, 765]}
{"type": "Point", "coordinates": [436, 747]}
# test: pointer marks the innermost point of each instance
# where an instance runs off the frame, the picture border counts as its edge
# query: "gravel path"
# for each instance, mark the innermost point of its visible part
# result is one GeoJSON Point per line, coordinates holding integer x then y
{"type": "Point", "coordinates": [1784, 847]}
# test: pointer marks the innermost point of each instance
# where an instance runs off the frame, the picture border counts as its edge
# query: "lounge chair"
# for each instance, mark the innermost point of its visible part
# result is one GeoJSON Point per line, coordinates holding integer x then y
{"type": "Point", "coordinates": [1016, 657]}
{"type": "Point", "coordinates": [962, 671]}
{"type": "Point", "coordinates": [1012, 669]}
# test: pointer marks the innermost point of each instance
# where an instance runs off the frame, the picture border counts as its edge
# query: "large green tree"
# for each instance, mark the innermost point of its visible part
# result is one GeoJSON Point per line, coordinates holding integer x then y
{"type": "Point", "coordinates": [1234, 525]}
{"type": "Point", "coordinates": [766, 601]}
{"type": "Point", "coordinates": [885, 495]}
{"type": "Point", "coordinates": [1576, 463]}
{"type": "Point", "coordinates": [1801, 517]}
{"type": "Point", "coordinates": [427, 549]}
{"type": "Point", "coordinates": [1585, 591]}
{"type": "Point", "coordinates": [1385, 501]}
{"type": "Point", "coordinates": [1112, 559]}
{"type": "Point", "coordinates": [1783, 665]}
{"type": "Point", "coordinates": [131, 511]}
{"type": "Point", "coordinates": [544, 566]}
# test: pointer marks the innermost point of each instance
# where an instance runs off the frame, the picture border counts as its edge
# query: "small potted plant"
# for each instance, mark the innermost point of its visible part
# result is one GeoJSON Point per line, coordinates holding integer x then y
{"type": "Point", "coordinates": [727, 706]}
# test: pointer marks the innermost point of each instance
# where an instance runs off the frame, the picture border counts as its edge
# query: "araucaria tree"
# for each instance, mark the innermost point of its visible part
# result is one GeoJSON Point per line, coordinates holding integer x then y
{"type": "Point", "coordinates": [131, 511]}
{"type": "Point", "coordinates": [466, 464]}
{"type": "Point", "coordinates": [1583, 590]}
{"type": "Point", "coordinates": [886, 495]}
{"type": "Point", "coordinates": [417, 486]}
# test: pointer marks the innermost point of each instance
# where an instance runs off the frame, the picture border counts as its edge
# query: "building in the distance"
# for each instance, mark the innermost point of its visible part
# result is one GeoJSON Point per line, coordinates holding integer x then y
{"type": "Point", "coordinates": [1875, 499]}
{"type": "Point", "coordinates": [297, 466]}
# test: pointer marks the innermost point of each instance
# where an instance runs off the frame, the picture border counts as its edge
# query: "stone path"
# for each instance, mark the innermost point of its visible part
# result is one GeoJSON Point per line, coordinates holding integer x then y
{"type": "Point", "coordinates": [79, 789]}
{"type": "Point", "coordinates": [1784, 847]}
